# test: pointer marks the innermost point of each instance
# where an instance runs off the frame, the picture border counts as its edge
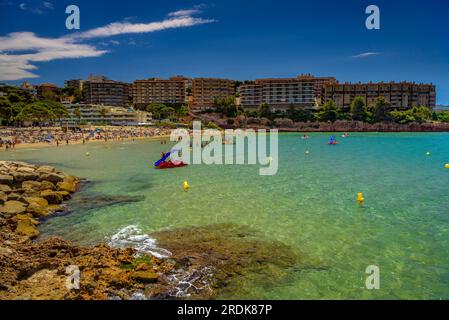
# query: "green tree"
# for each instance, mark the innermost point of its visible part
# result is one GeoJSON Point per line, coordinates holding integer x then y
{"type": "Point", "coordinates": [328, 112]}
{"type": "Point", "coordinates": [6, 110]}
{"type": "Point", "coordinates": [155, 109]}
{"type": "Point", "coordinates": [226, 106]}
{"type": "Point", "coordinates": [415, 114]}
{"type": "Point", "coordinates": [358, 109]}
{"type": "Point", "coordinates": [14, 98]}
{"type": "Point", "coordinates": [36, 112]}
{"type": "Point", "coordinates": [265, 111]}
{"type": "Point", "coordinates": [381, 110]}
{"type": "Point", "coordinates": [299, 114]}
{"type": "Point", "coordinates": [50, 96]}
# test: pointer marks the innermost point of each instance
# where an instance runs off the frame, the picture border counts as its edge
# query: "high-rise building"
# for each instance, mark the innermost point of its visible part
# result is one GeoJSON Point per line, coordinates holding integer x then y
{"type": "Point", "coordinates": [76, 84]}
{"type": "Point", "coordinates": [206, 90]}
{"type": "Point", "coordinates": [99, 90]}
{"type": "Point", "coordinates": [283, 93]}
{"type": "Point", "coordinates": [173, 91]}
{"type": "Point", "coordinates": [401, 95]}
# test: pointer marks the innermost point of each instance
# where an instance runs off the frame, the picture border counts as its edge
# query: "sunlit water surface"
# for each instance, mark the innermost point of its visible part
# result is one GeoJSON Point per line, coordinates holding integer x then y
{"type": "Point", "coordinates": [309, 205]}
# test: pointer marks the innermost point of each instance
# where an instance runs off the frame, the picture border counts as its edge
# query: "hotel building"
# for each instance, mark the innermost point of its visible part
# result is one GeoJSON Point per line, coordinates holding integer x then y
{"type": "Point", "coordinates": [156, 90]}
{"type": "Point", "coordinates": [76, 84]}
{"type": "Point", "coordinates": [206, 90]}
{"type": "Point", "coordinates": [96, 114]}
{"type": "Point", "coordinates": [99, 90]}
{"type": "Point", "coordinates": [401, 95]}
{"type": "Point", "coordinates": [303, 91]}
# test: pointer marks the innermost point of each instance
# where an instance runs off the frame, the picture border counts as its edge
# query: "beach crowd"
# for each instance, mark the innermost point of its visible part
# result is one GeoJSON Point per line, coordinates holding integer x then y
{"type": "Point", "coordinates": [11, 137]}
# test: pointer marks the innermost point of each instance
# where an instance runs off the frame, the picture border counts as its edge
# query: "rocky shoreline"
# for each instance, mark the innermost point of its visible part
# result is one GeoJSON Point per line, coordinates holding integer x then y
{"type": "Point", "coordinates": [202, 262]}
{"type": "Point", "coordinates": [38, 270]}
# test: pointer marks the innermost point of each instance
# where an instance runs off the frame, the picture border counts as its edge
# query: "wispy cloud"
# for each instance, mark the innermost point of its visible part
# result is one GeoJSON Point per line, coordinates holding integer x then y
{"type": "Point", "coordinates": [366, 54]}
{"type": "Point", "coordinates": [20, 50]}
{"type": "Point", "coordinates": [118, 28]}
{"type": "Point", "coordinates": [188, 12]}
{"type": "Point", "coordinates": [36, 7]}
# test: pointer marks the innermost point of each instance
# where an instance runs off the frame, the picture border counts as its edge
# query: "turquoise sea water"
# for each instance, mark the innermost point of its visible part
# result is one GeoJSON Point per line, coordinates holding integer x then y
{"type": "Point", "coordinates": [309, 205]}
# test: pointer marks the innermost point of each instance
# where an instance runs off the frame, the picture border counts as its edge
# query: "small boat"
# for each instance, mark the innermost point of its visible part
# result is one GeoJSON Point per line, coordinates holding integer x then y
{"type": "Point", "coordinates": [171, 165]}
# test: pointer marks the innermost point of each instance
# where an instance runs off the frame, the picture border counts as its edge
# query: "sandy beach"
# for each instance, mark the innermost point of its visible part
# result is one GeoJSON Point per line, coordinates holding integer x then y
{"type": "Point", "coordinates": [20, 138]}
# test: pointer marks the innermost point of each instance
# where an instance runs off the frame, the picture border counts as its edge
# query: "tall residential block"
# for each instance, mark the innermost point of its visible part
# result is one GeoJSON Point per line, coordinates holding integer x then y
{"type": "Point", "coordinates": [99, 90]}
{"type": "Point", "coordinates": [170, 91]}
{"type": "Point", "coordinates": [206, 90]}
{"type": "Point", "coordinates": [303, 91]}
{"type": "Point", "coordinates": [76, 84]}
{"type": "Point", "coordinates": [401, 95]}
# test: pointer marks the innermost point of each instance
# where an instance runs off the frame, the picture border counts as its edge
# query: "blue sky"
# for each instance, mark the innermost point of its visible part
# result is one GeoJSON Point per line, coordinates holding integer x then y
{"type": "Point", "coordinates": [224, 38]}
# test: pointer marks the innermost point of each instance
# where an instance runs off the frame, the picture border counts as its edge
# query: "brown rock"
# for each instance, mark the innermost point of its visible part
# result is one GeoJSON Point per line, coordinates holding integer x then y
{"type": "Point", "coordinates": [36, 200]}
{"type": "Point", "coordinates": [45, 169]}
{"type": "Point", "coordinates": [47, 185]}
{"type": "Point", "coordinates": [26, 169]}
{"type": "Point", "coordinates": [6, 179]}
{"type": "Point", "coordinates": [5, 188]}
{"type": "Point", "coordinates": [65, 195]}
{"type": "Point", "coordinates": [26, 216]}
{"type": "Point", "coordinates": [14, 196]}
{"type": "Point", "coordinates": [39, 211]}
{"type": "Point", "coordinates": [13, 207]}
{"type": "Point", "coordinates": [52, 197]}
{"type": "Point", "coordinates": [142, 267]}
{"type": "Point", "coordinates": [52, 177]}
{"type": "Point", "coordinates": [26, 227]}
{"type": "Point", "coordinates": [145, 276]}
{"type": "Point", "coordinates": [3, 197]}
{"type": "Point", "coordinates": [67, 186]}
{"type": "Point", "coordinates": [24, 176]}
{"type": "Point", "coordinates": [33, 185]}
{"type": "Point", "coordinates": [55, 208]}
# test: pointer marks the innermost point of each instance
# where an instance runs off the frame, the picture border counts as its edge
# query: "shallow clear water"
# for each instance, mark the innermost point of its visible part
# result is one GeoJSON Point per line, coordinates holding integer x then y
{"type": "Point", "coordinates": [310, 205]}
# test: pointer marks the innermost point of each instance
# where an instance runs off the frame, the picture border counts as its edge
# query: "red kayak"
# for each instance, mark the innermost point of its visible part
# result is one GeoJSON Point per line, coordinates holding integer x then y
{"type": "Point", "coordinates": [170, 165]}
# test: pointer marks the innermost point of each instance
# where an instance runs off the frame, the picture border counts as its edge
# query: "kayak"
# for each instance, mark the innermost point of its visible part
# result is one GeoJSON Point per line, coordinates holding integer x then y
{"type": "Point", "coordinates": [170, 165]}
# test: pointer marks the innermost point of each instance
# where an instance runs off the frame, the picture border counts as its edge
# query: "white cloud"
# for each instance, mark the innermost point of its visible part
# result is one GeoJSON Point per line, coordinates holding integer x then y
{"type": "Point", "coordinates": [19, 50]}
{"type": "Point", "coordinates": [36, 7]}
{"type": "Point", "coordinates": [183, 13]}
{"type": "Point", "coordinates": [47, 4]}
{"type": "Point", "coordinates": [188, 12]}
{"type": "Point", "coordinates": [35, 49]}
{"type": "Point", "coordinates": [118, 28]}
{"type": "Point", "coordinates": [366, 54]}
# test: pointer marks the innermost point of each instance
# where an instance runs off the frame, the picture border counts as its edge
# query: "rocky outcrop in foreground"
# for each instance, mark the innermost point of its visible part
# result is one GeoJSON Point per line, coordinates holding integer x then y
{"type": "Point", "coordinates": [29, 193]}
{"type": "Point", "coordinates": [202, 262]}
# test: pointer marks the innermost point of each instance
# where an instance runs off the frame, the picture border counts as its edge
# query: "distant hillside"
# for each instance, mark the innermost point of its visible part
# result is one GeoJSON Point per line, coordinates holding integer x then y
{"type": "Point", "coordinates": [440, 107]}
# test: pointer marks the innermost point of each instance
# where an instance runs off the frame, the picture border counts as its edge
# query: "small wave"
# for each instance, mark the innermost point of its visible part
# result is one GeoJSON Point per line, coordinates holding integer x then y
{"type": "Point", "coordinates": [133, 237]}
{"type": "Point", "coordinates": [194, 281]}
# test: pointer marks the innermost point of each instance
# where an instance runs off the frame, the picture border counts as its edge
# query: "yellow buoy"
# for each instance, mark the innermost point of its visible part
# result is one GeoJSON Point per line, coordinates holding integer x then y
{"type": "Point", "coordinates": [360, 198]}
{"type": "Point", "coordinates": [428, 153]}
{"type": "Point", "coordinates": [307, 152]}
{"type": "Point", "coordinates": [446, 165]}
{"type": "Point", "coordinates": [186, 186]}
{"type": "Point", "coordinates": [87, 154]}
